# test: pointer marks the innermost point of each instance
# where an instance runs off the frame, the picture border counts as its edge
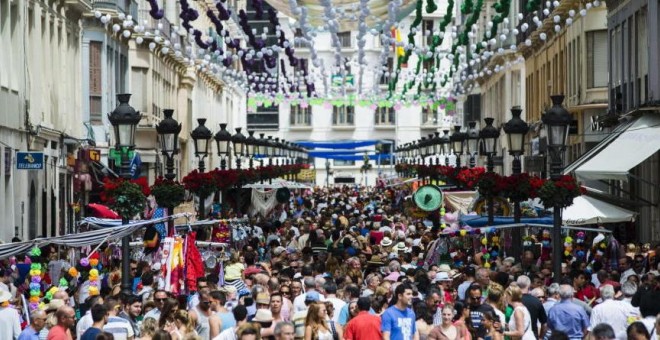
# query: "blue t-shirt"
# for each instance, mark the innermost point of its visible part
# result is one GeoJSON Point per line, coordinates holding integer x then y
{"type": "Point", "coordinates": [90, 334]}
{"type": "Point", "coordinates": [400, 323]}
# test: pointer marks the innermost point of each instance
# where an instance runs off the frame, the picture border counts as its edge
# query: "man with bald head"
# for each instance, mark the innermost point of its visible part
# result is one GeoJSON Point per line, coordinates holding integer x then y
{"type": "Point", "coordinates": [37, 323]}
{"type": "Point", "coordinates": [66, 318]}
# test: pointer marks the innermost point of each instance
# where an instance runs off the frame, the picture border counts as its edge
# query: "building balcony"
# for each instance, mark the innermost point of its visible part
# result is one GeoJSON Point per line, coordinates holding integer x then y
{"type": "Point", "coordinates": [151, 23]}
{"type": "Point", "coordinates": [79, 5]}
{"type": "Point", "coordinates": [126, 7]}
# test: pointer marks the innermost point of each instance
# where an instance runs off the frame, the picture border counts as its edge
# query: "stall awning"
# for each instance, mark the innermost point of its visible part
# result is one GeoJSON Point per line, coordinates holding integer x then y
{"type": "Point", "coordinates": [588, 210]}
{"type": "Point", "coordinates": [637, 143]}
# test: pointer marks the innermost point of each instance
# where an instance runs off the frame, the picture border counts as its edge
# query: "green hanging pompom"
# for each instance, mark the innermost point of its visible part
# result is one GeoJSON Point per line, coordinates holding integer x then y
{"type": "Point", "coordinates": [35, 252]}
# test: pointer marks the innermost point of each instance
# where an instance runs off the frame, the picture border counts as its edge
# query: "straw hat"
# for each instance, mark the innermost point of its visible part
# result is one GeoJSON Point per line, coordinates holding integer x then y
{"type": "Point", "coordinates": [4, 296]}
{"type": "Point", "coordinates": [376, 260]}
{"type": "Point", "coordinates": [386, 242]}
{"type": "Point", "coordinates": [263, 315]}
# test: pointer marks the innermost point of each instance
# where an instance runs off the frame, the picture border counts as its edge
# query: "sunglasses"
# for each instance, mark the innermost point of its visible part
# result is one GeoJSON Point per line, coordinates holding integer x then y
{"type": "Point", "coordinates": [160, 300]}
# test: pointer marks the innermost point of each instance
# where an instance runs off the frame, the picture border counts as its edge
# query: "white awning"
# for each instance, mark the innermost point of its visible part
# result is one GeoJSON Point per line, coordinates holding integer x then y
{"type": "Point", "coordinates": [640, 141]}
{"type": "Point", "coordinates": [588, 210]}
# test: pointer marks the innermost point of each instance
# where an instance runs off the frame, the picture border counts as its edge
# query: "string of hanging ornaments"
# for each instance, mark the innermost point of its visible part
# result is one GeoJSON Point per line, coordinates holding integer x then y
{"type": "Point", "coordinates": [215, 54]}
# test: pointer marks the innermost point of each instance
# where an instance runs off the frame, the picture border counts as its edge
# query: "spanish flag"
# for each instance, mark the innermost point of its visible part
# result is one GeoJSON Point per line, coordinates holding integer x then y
{"type": "Point", "coordinates": [396, 34]}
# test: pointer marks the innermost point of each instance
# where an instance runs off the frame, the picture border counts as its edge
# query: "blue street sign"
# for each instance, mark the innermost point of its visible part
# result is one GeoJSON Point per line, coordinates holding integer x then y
{"type": "Point", "coordinates": [29, 160]}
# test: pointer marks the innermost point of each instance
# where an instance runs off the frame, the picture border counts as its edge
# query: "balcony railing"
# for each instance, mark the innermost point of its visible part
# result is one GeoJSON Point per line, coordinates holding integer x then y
{"type": "Point", "coordinates": [143, 15]}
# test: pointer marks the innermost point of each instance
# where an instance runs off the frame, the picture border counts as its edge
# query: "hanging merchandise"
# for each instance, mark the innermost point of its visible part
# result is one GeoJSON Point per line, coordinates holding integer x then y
{"type": "Point", "coordinates": [262, 201]}
{"type": "Point", "coordinates": [193, 263]}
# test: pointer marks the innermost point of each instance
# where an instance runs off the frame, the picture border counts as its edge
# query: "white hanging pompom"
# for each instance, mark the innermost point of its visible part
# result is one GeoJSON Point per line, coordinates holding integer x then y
{"type": "Point", "coordinates": [524, 27]}
{"type": "Point", "coordinates": [583, 12]}
{"type": "Point", "coordinates": [596, 3]}
{"type": "Point", "coordinates": [520, 16]}
{"type": "Point", "coordinates": [546, 12]}
{"type": "Point", "coordinates": [121, 16]}
{"type": "Point", "coordinates": [555, 3]}
{"type": "Point", "coordinates": [571, 13]}
{"type": "Point", "coordinates": [139, 40]}
{"type": "Point", "coordinates": [556, 18]}
{"type": "Point", "coordinates": [503, 37]}
{"type": "Point", "coordinates": [528, 42]}
{"type": "Point", "coordinates": [165, 50]}
{"type": "Point", "coordinates": [152, 45]}
{"type": "Point", "coordinates": [588, 6]}
{"type": "Point", "coordinates": [513, 47]}
{"type": "Point", "coordinates": [126, 34]}
{"type": "Point", "coordinates": [105, 19]}
{"type": "Point", "coordinates": [116, 28]}
{"type": "Point", "coordinates": [557, 28]}
{"type": "Point", "coordinates": [543, 36]}
{"type": "Point", "coordinates": [505, 21]}
{"type": "Point", "coordinates": [569, 21]}
{"type": "Point", "coordinates": [515, 31]}
{"type": "Point", "coordinates": [97, 14]}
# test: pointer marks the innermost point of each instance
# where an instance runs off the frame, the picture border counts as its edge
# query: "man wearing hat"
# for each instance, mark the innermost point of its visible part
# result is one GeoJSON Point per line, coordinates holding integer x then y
{"type": "Point", "coordinates": [10, 325]}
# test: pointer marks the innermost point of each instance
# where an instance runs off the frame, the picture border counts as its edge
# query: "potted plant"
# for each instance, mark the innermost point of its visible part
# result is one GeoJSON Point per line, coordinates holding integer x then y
{"type": "Point", "coordinates": [560, 192]}
{"type": "Point", "coordinates": [168, 193]}
{"type": "Point", "coordinates": [126, 197]}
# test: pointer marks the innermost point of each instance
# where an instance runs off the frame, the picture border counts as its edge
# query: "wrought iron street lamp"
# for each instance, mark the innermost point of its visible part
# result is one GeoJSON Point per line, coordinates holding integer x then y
{"type": "Point", "coordinates": [201, 136]}
{"type": "Point", "coordinates": [472, 143]}
{"type": "Point", "coordinates": [168, 130]}
{"type": "Point", "coordinates": [239, 146]}
{"type": "Point", "coordinates": [223, 140]}
{"type": "Point", "coordinates": [124, 120]}
{"type": "Point", "coordinates": [458, 141]}
{"type": "Point", "coordinates": [516, 129]}
{"type": "Point", "coordinates": [557, 121]}
{"type": "Point", "coordinates": [445, 145]}
{"type": "Point", "coordinates": [251, 143]}
{"type": "Point", "coordinates": [490, 134]}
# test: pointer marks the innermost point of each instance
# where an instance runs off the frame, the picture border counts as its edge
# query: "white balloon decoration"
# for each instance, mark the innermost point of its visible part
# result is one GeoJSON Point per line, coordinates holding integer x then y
{"type": "Point", "coordinates": [126, 34]}
{"type": "Point", "coordinates": [152, 46]}
{"type": "Point", "coordinates": [543, 36]}
{"type": "Point", "coordinates": [139, 40]}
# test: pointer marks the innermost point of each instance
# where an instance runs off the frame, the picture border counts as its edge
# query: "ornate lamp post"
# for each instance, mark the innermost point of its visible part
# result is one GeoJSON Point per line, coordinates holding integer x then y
{"type": "Point", "coordinates": [269, 150]}
{"type": "Point", "coordinates": [239, 146]}
{"type": "Point", "coordinates": [168, 129]}
{"type": "Point", "coordinates": [557, 121]}
{"type": "Point", "coordinates": [472, 143]}
{"type": "Point", "coordinates": [223, 140]}
{"type": "Point", "coordinates": [201, 136]}
{"type": "Point", "coordinates": [516, 129]}
{"type": "Point", "coordinates": [436, 147]}
{"type": "Point", "coordinates": [457, 141]}
{"type": "Point", "coordinates": [327, 173]}
{"type": "Point", "coordinates": [124, 120]}
{"type": "Point", "coordinates": [489, 134]}
{"type": "Point", "coordinates": [261, 151]}
{"type": "Point", "coordinates": [445, 145]}
{"type": "Point", "coordinates": [251, 143]}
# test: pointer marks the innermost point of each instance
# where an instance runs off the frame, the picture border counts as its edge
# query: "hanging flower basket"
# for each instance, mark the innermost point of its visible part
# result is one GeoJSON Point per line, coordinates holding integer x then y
{"type": "Point", "coordinates": [521, 187]}
{"type": "Point", "coordinates": [168, 193]}
{"type": "Point", "coordinates": [201, 184]}
{"type": "Point", "coordinates": [559, 193]}
{"type": "Point", "coordinates": [127, 198]}
{"type": "Point", "coordinates": [490, 184]}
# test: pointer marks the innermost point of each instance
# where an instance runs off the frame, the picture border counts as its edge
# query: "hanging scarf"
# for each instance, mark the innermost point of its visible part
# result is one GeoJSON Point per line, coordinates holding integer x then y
{"type": "Point", "coordinates": [194, 263]}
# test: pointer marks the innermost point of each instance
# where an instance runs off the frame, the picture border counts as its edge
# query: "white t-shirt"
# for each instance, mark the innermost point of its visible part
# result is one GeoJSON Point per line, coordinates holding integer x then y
{"type": "Point", "coordinates": [338, 304]}
{"type": "Point", "coordinates": [227, 334]}
{"type": "Point", "coordinates": [10, 324]}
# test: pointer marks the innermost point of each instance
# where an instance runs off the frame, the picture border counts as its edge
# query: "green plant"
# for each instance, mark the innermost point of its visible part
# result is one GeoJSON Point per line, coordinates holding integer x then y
{"type": "Point", "coordinates": [168, 193]}
{"type": "Point", "coordinates": [127, 198]}
{"type": "Point", "coordinates": [560, 192]}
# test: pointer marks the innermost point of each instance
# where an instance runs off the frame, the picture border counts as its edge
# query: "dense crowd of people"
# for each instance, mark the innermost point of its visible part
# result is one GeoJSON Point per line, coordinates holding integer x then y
{"type": "Point", "coordinates": [347, 263]}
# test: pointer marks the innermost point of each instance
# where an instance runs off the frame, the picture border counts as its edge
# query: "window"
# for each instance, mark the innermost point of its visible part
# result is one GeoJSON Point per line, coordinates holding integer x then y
{"type": "Point", "coordinates": [340, 162]}
{"type": "Point", "coordinates": [266, 118]}
{"type": "Point", "coordinates": [427, 32]}
{"type": "Point", "coordinates": [302, 67]}
{"type": "Point", "coordinates": [139, 83]}
{"type": "Point", "coordinates": [343, 115]}
{"type": "Point", "coordinates": [301, 116]}
{"type": "Point", "coordinates": [384, 116]}
{"type": "Point", "coordinates": [344, 39]}
{"type": "Point", "coordinates": [597, 58]}
{"type": "Point", "coordinates": [385, 78]}
{"type": "Point", "coordinates": [427, 64]}
{"type": "Point", "coordinates": [299, 42]}
{"type": "Point", "coordinates": [429, 116]}
{"type": "Point", "coordinates": [95, 82]}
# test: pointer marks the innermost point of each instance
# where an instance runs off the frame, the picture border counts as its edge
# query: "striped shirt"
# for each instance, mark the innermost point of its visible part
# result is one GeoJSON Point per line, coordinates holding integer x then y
{"type": "Point", "coordinates": [120, 328]}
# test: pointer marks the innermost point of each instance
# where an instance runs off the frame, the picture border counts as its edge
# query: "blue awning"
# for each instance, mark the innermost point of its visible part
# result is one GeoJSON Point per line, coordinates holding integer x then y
{"type": "Point", "coordinates": [479, 221]}
{"type": "Point", "coordinates": [345, 144]}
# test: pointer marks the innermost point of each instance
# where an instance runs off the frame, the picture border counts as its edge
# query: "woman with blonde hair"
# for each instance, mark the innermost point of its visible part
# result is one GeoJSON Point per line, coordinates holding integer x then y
{"type": "Point", "coordinates": [316, 327]}
{"type": "Point", "coordinates": [148, 328]}
{"type": "Point", "coordinates": [519, 325]}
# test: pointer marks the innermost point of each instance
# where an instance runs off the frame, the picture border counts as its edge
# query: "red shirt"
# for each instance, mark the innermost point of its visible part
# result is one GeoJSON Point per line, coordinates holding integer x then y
{"type": "Point", "coordinates": [59, 333]}
{"type": "Point", "coordinates": [377, 236]}
{"type": "Point", "coordinates": [363, 327]}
